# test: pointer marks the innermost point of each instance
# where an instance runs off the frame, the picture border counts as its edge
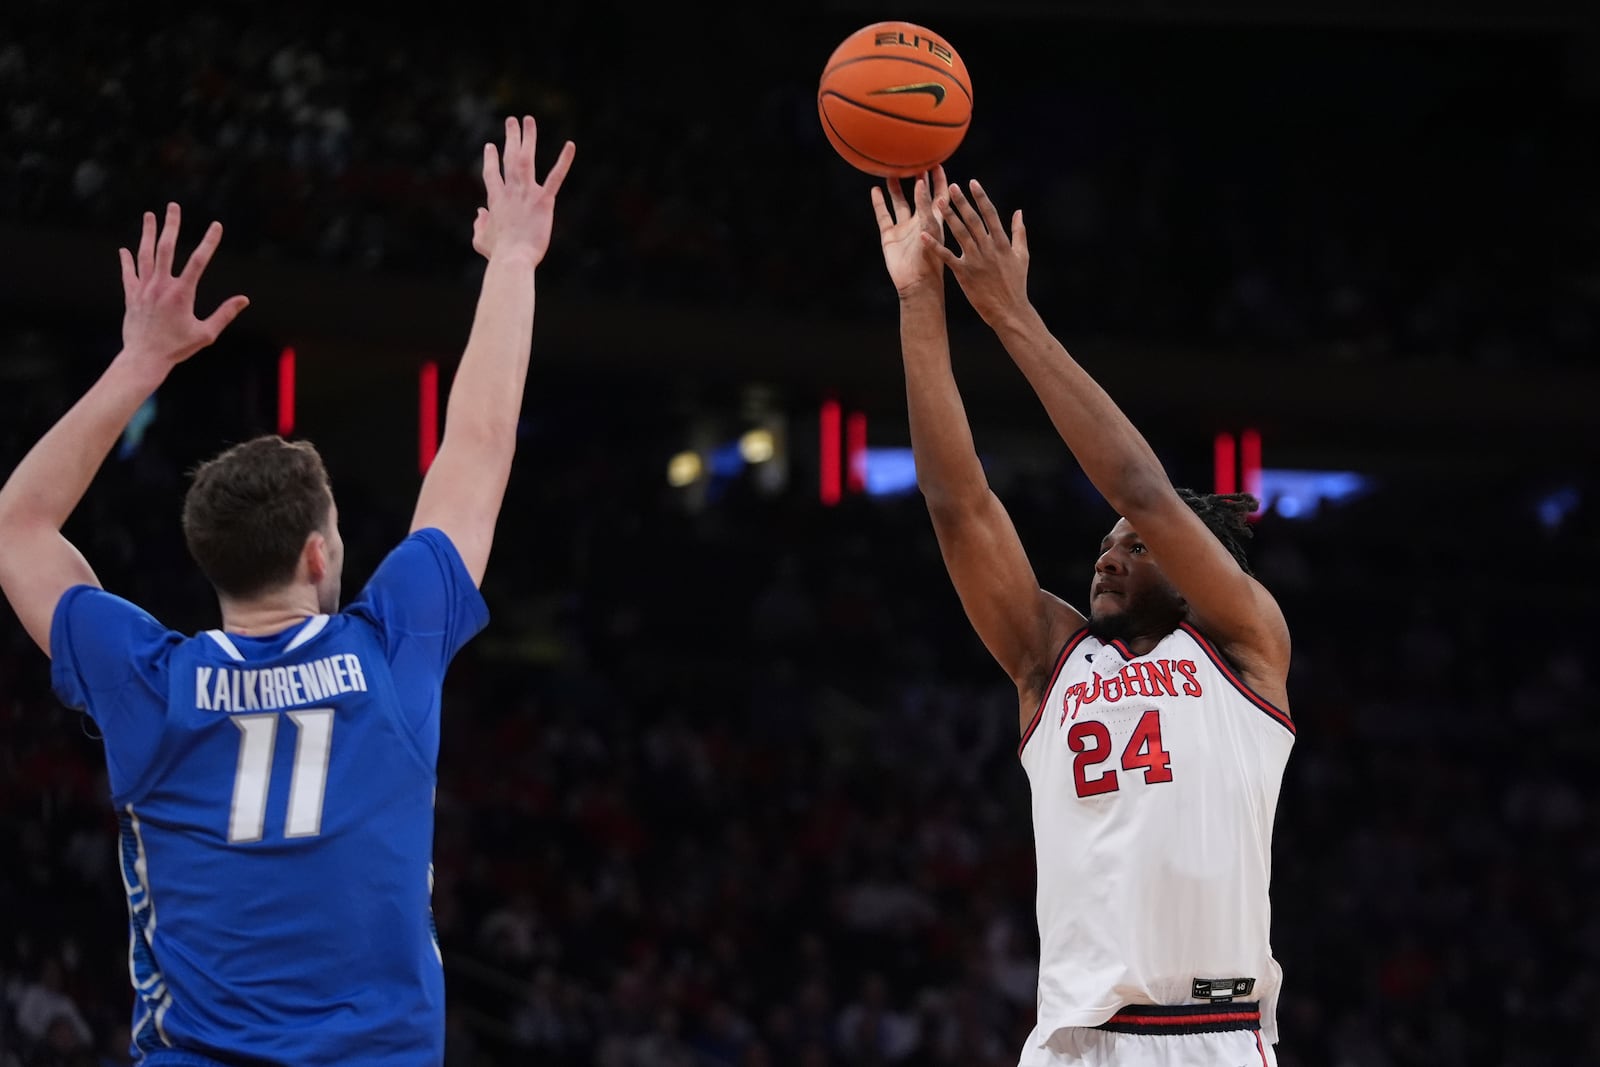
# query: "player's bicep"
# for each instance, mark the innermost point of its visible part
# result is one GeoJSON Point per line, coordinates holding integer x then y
{"type": "Point", "coordinates": [37, 565]}
{"type": "Point", "coordinates": [461, 495]}
{"type": "Point", "coordinates": [1020, 624]}
{"type": "Point", "coordinates": [1229, 606]}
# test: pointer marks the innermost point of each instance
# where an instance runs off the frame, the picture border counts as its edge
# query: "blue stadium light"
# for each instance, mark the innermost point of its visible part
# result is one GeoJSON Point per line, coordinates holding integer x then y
{"type": "Point", "coordinates": [1300, 494]}
{"type": "Point", "coordinates": [1553, 508]}
{"type": "Point", "coordinates": [890, 472]}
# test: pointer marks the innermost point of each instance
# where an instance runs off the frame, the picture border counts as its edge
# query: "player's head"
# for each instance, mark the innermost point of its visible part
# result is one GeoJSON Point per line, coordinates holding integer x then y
{"type": "Point", "coordinates": [1130, 596]}
{"type": "Point", "coordinates": [259, 518]}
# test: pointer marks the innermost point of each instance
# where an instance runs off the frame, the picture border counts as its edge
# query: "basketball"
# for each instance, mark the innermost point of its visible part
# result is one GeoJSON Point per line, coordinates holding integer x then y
{"type": "Point", "coordinates": [895, 99]}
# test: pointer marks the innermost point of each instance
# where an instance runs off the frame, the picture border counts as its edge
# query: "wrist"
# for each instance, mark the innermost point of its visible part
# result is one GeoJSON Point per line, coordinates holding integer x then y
{"type": "Point", "coordinates": [519, 256]}
{"type": "Point", "coordinates": [1015, 322]}
{"type": "Point", "coordinates": [923, 290]}
{"type": "Point", "coordinates": [144, 367]}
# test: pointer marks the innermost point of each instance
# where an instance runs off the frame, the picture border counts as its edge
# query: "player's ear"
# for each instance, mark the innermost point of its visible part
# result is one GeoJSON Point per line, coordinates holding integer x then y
{"type": "Point", "coordinates": [316, 556]}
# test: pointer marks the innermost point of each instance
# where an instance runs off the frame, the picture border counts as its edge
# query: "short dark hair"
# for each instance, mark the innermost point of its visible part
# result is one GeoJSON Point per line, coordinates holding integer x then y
{"type": "Point", "coordinates": [249, 510]}
{"type": "Point", "coordinates": [1227, 515]}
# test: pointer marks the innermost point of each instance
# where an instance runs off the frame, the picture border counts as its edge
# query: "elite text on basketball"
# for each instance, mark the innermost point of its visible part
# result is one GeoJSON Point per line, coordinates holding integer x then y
{"type": "Point", "coordinates": [919, 42]}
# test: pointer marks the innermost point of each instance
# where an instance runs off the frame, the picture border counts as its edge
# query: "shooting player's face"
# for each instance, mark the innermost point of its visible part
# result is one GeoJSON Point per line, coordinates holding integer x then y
{"type": "Point", "coordinates": [1130, 595]}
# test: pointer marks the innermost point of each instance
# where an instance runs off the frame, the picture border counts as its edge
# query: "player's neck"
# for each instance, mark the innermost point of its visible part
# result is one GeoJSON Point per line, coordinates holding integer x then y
{"type": "Point", "coordinates": [1137, 638]}
{"type": "Point", "coordinates": [269, 614]}
{"type": "Point", "coordinates": [1141, 646]}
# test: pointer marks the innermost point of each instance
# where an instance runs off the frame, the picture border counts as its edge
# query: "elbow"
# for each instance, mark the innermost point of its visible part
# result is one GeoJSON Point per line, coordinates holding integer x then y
{"type": "Point", "coordinates": [15, 512]}
{"type": "Point", "coordinates": [489, 435]}
{"type": "Point", "coordinates": [938, 494]}
{"type": "Point", "coordinates": [946, 502]}
{"type": "Point", "coordinates": [1140, 491]}
{"type": "Point", "coordinates": [939, 504]}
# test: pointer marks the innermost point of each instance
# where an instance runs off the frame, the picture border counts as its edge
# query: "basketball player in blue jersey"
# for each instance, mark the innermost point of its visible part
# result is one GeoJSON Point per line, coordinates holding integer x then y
{"type": "Point", "coordinates": [274, 778]}
{"type": "Point", "coordinates": [1154, 734]}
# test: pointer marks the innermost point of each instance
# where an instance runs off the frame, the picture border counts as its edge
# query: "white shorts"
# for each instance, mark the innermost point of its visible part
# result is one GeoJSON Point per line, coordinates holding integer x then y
{"type": "Point", "coordinates": [1087, 1046]}
{"type": "Point", "coordinates": [1084, 1047]}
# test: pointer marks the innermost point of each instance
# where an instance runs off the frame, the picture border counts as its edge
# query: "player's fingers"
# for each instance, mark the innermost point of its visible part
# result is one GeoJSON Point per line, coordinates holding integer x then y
{"type": "Point", "coordinates": [167, 243]}
{"type": "Point", "coordinates": [897, 199]}
{"type": "Point", "coordinates": [130, 277]}
{"type": "Point", "coordinates": [921, 198]}
{"type": "Point", "coordinates": [219, 319]}
{"type": "Point", "coordinates": [939, 250]}
{"type": "Point", "coordinates": [1019, 233]}
{"type": "Point", "coordinates": [530, 139]}
{"type": "Point", "coordinates": [986, 208]}
{"type": "Point", "coordinates": [881, 211]}
{"type": "Point", "coordinates": [147, 245]}
{"type": "Point", "coordinates": [952, 218]}
{"type": "Point", "coordinates": [511, 153]}
{"type": "Point", "coordinates": [200, 258]}
{"type": "Point", "coordinates": [558, 173]}
{"type": "Point", "coordinates": [492, 182]}
{"type": "Point", "coordinates": [480, 230]}
{"type": "Point", "coordinates": [517, 161]}
{"type": "Point", "coordinates": [962, 208]}
{"type": "Point", "coordinates": [939, 181]}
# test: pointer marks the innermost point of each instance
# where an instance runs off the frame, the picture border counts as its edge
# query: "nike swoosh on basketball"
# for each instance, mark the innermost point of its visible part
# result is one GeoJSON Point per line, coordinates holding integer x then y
{"type": "Point", "coordinates": [933, 89]}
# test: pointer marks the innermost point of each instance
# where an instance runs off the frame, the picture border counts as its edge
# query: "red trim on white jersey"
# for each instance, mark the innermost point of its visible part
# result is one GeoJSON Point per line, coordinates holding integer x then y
{"type": "Point", "coordinates": [1184, 1018]}
{"type": "Point", "coordinates": [1061, 661]}
{"type": "Point", "coordinates": [1227, 672]}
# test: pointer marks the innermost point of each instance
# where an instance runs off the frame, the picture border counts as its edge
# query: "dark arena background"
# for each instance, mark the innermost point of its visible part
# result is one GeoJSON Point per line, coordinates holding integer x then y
{"type": "Point", "coordinates": [729, 781]}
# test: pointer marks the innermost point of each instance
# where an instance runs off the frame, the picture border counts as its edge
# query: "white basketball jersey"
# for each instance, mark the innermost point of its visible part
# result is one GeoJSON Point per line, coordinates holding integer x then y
{"type": "Point", "coordinates": [1155, 781]}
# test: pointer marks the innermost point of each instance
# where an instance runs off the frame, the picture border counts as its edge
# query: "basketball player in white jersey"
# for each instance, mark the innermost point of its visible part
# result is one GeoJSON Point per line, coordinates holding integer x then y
{"type": "Point", "coordinates": [1154, 729]}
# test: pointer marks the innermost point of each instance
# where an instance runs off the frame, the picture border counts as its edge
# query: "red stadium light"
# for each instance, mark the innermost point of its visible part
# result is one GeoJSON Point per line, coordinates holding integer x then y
{"type": "Point", "coordinates": [286, 392]}
{"type": "Point", "coordinates": [1224, 454]}
{"type": "Point", "coordinates": [855, 451]}
{"type": "Point", "coordinates": [1250, 464]}
{"type": "Point", "coordinates": [828, 452]}
{"type": "Point", "coordinates": [427, 415]}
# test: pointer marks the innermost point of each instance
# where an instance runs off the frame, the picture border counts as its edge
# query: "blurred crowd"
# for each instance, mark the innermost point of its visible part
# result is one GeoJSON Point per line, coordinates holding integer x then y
{"type": "Point", "coordinates": [1380, 196]}
{"type": "Point", "coordinates": [738, 786]}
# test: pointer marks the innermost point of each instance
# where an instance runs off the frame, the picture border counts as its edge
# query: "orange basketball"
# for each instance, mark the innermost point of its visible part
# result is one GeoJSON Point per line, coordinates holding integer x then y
{"type": "Point", "coordinates": [895, 99]}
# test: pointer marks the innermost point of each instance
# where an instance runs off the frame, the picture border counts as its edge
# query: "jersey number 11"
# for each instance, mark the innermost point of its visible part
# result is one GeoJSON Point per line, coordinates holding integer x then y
{"type": "Point", "coordinates": [258, 735]}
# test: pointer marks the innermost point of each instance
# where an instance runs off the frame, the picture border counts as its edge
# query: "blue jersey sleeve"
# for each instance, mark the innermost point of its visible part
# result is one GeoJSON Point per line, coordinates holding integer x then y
{"type": "Point", "coordinates": [109, 658]}
{"type": "Point", "coordinates": [424, 606]}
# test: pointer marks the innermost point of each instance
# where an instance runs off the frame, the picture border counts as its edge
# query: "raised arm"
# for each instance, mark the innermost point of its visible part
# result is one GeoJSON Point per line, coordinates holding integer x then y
{"type": "Point", "coordinates": [463, 489]}
{"type": "Point", "coordinates": [1020, 624]}
{"type": "Point", "coordinates": [159, 331]}
{"type": "Point", "coordinates": [1230, 606]}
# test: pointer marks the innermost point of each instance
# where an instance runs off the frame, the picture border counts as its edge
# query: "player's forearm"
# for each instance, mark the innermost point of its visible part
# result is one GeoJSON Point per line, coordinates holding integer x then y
{"type": "Point", "coordinates": [53, 477]}
{"type": "Point", "coordinates": [486, 395]}
{"type": "Point", "coordinates": [1109, 448]}
{"type": "Point", "coordinates": [948, 469]}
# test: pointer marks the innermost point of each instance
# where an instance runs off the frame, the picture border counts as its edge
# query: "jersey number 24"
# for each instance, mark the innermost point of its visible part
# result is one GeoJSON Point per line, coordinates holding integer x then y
{"type": "Point", "coordinates": [1092, 742]}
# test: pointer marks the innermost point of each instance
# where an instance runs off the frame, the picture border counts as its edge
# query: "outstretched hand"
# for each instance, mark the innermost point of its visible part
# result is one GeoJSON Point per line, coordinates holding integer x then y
{"type": "Point", "coordinates": [992, 269]}
{"type": "Point", "coordinates": [521, 211]}
{"type": "Point", "coordinates": [903, 232]}
{"type": "Point", "coordinates": [159, 320]}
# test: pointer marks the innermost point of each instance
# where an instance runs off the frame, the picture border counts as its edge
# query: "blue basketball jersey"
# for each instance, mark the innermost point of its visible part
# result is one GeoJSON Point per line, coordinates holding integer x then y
{"type": "Point", "coordinates": [276, 802]}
